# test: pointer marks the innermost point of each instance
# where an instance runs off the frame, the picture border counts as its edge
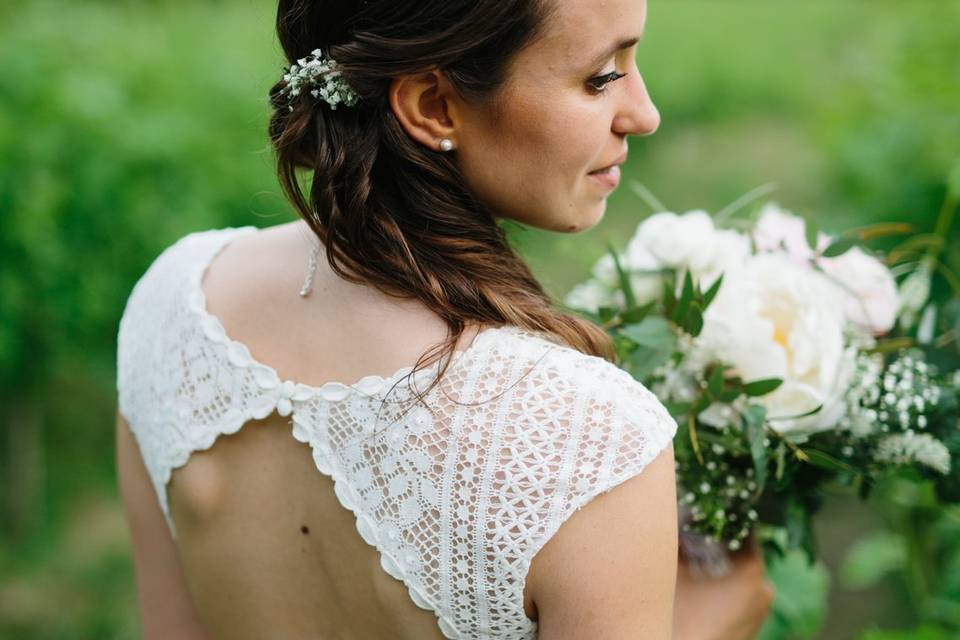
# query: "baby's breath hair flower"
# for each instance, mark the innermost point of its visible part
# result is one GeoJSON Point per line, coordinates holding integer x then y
{"type": "Point", "coordinates": [319, 71]}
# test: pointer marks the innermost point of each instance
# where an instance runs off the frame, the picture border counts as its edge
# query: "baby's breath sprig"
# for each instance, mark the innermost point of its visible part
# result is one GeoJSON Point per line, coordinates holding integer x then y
{"type": "Point", "coordinates": [321, 71]}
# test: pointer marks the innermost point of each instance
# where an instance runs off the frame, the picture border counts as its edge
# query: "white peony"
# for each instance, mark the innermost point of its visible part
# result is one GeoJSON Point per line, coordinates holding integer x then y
{"type": "Point", "coordinates": [590, 296]}
{"type": "Point", "coordinates": [687, 241]}
{"type": "Point", "coordinates": [779, 230]}
{"type": "Point", "coordinates": [603, 289]}
{"type": "Point", "coordinates": [776, 319]}
{"type": "Point", "coordinates": [869, 290]}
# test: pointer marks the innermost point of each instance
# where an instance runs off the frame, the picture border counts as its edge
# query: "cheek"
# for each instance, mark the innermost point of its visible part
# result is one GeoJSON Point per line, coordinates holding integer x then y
{"type": "Point", "coordinates": [532, 163]}
{"type": "Point", "coordinates": [557, 133]}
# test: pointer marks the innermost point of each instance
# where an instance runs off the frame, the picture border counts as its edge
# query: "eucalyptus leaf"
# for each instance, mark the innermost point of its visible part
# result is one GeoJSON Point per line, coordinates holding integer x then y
{"type": "Point", "coordinates": [652, 331]}
{"type": "Point", "coordinates": [645, 359]}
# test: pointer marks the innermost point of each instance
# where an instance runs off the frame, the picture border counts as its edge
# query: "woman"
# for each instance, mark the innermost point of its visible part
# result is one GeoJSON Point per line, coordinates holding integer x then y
{"type": "Point", "coordinates": [267, 499]}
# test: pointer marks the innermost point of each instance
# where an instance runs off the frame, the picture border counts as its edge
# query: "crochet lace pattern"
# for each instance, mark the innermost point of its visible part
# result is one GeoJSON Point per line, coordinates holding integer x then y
{"type": "Point", "coordinates": [457, 494]}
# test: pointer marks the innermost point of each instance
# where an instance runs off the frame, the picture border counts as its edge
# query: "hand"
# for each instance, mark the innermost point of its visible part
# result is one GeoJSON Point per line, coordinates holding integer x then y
{"type": "Point", "coordinates": [732, 607]}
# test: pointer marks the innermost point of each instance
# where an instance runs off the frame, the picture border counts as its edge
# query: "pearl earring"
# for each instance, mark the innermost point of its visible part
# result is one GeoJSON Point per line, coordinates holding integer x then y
{"type": "Point", "coordinates": [446, 144]}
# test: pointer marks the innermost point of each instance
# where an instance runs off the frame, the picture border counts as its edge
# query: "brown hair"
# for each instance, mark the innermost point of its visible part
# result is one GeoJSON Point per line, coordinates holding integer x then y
{"type": "Point", "coordinates": [391, 213]}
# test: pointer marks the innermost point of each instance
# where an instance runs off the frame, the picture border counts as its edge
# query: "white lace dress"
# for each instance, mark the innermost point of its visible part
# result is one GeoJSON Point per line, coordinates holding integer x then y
{"type": "Point", "coordinates": [457, 494]}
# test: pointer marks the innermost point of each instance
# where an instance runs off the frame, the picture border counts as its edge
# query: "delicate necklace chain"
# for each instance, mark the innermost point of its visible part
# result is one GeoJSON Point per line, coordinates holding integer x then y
{"type": "Point", "coordinates": [312, 267]}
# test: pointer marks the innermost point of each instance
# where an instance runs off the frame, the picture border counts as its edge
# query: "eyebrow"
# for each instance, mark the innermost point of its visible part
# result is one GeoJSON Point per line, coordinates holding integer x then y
{"type": "Point", "coordinates": [623, 44]}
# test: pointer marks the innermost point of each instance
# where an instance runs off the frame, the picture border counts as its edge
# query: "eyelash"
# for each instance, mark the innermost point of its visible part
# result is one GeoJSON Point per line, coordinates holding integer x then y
{"type": "Point", "coordinates": [604, 80]}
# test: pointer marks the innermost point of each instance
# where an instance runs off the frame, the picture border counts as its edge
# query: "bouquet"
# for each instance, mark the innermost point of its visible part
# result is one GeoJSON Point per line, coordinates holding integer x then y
{"type": "Point", "coordinates": [791, 358]}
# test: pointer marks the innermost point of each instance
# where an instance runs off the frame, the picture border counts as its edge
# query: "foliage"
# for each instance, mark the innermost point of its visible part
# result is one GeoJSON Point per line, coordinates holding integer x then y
{"type": "Point", "coordinates": [125, 125]}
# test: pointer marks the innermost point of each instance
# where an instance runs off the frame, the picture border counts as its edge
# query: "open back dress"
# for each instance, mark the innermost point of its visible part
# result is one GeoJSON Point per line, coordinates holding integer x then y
{"type": "Point", "coordinates": [454, 495]}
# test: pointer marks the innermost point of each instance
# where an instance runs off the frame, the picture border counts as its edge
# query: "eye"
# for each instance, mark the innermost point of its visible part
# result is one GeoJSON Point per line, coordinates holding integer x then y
{"type": "Point", "coordinates": [597, 83]}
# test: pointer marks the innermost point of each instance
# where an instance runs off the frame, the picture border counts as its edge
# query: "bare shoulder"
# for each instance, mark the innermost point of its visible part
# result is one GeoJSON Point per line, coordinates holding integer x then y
{"type": "Point", "coordinates": [341, 331]}
{"type": "Point", "coordinates": [624, 586]}
{"type": "Point", "coordinates": [257, 264]}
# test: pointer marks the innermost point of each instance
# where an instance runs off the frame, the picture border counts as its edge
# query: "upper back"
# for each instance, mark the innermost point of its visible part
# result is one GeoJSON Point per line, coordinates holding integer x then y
{"type": "Point", "coordinates": [347, 510]}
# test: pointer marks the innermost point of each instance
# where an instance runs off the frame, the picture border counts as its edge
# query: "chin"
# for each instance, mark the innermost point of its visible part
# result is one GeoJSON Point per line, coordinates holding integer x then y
{"type": "Point", "coordinates": [585, 218]}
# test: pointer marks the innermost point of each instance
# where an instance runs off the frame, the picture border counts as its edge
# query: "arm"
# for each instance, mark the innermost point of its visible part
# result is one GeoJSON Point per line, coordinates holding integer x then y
{"type": "Point", "coordinates": [731, 607]}
{"type": "Point", "coordinates": [166, 609]}
{"type": "Point", "coordinates": [610, 570]}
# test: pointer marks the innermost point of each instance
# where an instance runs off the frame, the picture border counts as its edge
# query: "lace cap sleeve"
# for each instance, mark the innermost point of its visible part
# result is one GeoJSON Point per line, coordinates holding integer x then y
{"type": "Point", "coordinates": [595, 428]}
{"type": "Point", "coordinates": [568, 428]}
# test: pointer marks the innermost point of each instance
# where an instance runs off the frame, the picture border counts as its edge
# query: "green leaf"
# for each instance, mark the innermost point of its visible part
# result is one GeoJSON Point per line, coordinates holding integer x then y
{"type": "Point", "coordinates": [715, 381]}
{"type": "Point", "coordinates": [628, 297]}
{"type": "Point", "coordinates": [712, 292]}
{"type": "Point", "coordinates": [653, 331]}
{"type": "Point", "coordinates": [635, 315]}
{"type": "Point", "coordinates": [800, 601]}
{"type": "Point", "coordinates": [694, 322]}
{"type": "Point", "coordinates": [839, 246]}
{"type": "Point", "coordinates": [643, 360]}
{"type": "Point", "coordinates": [953, 182]}
{"type": "Point", "coordinates": [686, 295]}
{"type": "Point", "coordinates": [753, 418]}
{"type": "Point", "coordinates": [796, 522]}
{"type": "Point", "coordinates": [606, 314]}
{"type": "Point", "coordinates": [826, 461]}
{"type": "Point", "coordinates": [677, 409]}
{"type": "Point", "coordinates": [755, 414]}
{"type": "Point", "coordinates": [810, 231]}
{"type": "Point", "coordinates": [762, 387]}
{"type": "Point", "coordinates": [669, 298]}
{"type": "Point", "coordinates": [647, 196]}
{"type": "Point", "coordinates": [872, 557]}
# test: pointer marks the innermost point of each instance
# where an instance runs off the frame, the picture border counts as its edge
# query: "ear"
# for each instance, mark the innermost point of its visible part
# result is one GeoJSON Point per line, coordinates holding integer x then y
{"type": "Point", "coordinates": [426, 106]}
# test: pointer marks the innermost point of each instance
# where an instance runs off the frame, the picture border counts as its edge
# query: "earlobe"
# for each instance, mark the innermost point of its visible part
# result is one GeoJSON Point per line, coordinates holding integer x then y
{"type": "Point", "coordinates": [421, 103]}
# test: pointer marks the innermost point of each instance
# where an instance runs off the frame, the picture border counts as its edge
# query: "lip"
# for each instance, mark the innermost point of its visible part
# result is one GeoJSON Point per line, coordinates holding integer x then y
{"type": "Point", "coordinates": [618, 161]}
{"type": "Point", "coordinates": [609, 179]}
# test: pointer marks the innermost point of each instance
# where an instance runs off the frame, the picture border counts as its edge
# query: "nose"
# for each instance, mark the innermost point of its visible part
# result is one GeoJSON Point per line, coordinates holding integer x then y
{"type": "Point", "coordinates": [637, 115]}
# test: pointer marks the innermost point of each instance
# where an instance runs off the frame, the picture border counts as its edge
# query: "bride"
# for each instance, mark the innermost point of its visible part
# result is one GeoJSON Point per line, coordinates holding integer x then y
{"type": "Point", "coordinates": [418, 445]}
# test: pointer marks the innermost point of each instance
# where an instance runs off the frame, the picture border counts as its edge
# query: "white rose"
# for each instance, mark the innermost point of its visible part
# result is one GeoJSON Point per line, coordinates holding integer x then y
{"type": "Point", "coordinates": [775, 319]}
{"type": "Point", "coordinates": [869, 290]}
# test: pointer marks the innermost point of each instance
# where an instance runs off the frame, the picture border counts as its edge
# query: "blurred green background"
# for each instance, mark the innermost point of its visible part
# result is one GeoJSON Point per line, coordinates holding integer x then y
{"type": "Point", "coordinates": [125, 125]}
